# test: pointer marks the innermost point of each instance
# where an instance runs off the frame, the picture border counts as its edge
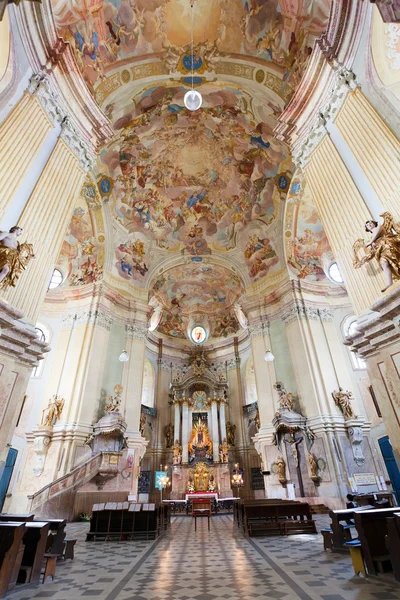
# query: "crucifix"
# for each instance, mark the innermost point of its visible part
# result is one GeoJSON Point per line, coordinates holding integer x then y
{"type": "Point", "coordinates": [293, 443]}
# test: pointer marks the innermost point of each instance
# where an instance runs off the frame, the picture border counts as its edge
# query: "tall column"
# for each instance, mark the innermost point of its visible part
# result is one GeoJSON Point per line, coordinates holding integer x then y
{"type": "Point", "coordinates": [215, 439]}
{"type": "Point", "coordinates": [177, 422]}
{"type": "Point", "coordinates": [45, 220]}
{"type": "Point", "coordinates": [375, 147]}
{"type": "Point", "coordinates": [132, 382]}
{"type": "Point", "coordinates": [343, 213]}
{"type": "Point", "coordinates": [185, 431]}
{"type": "Point", "coordinates": [265, 375]}
{"type": "Point", "coordinates": [22, 135]}
{"type": "Point", "coordinates": [222, 419]}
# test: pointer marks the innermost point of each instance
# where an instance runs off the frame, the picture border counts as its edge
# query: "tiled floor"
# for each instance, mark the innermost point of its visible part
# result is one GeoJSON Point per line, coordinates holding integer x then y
{"type": "Point", "coordinates": [215, 565]}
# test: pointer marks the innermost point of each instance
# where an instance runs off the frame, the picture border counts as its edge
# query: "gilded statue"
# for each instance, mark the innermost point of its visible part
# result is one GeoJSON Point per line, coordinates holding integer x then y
{"type": "Point", "coordinates": [177, 448]}
{"type": "Point", "coordinates": [312, 463]}
{"type": "Point", "coordinates": [200, 477]}
{"type": "Point", "coordinates": [53, 411]}
{"type": "Point", "coordinates": [190, 484]}
{"type": "Point", "coordinates": [280, 468]}
{"type": "Point", "coordinates": [13, 256]}
{"type": "Point", "coordinates": [384, 245]}
{"type": "Point", "coordinates": [169, 435]}
{"type": "Point", "coordinates": [285, 399]}
{"type": "Point", "coordinates": [343, 401]}
{"type": "Point", "coordinates": [230, 433]}
{"type": "Point", "coordinates": [223, 451]}
{"type": "Point", "coordinates": [113, 403]}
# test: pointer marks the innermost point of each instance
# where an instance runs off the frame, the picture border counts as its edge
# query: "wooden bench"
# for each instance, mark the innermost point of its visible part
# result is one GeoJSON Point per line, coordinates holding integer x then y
{"type": "Point", "coordinates": [35, 540]}
{"type": "Point", "coordinates": [372, 530]}
{"type": "Point", "coordinates": [69, 544]}
{"type": "Point", "coordinates": [341, 531]}
{"type": "Point", "coordinates": [11, 553]}
{"type": "Point", "coordinates": [278, 519]}
{"type": "Point", "coordinates": [127, 521]}
{"type": "Point", "coordinates": [238, 508]}
{"type": "Point", "coordinates": [50, 566]}
{"type": "Point", "coordinates": [393, 542]}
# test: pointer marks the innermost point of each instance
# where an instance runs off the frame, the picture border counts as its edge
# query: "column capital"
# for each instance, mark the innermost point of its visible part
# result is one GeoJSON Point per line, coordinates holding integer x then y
{"type": "Point", "coordinates": [88, 317]}
{"type": "Point", "coordinates": [136, 331]}
{"type": "Point", "coordinates": [344, 81]}
{"type": "Point", "coordinates": [300, 310]}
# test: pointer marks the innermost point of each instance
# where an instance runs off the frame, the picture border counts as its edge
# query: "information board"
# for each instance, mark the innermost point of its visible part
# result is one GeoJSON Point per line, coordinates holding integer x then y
{"type": "Point", "coordinates": [257, 479]}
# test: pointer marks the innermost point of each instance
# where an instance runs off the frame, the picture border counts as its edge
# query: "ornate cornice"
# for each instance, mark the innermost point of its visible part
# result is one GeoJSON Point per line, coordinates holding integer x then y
{"type": "Point", "coordinates": [88, 317]}
{"type": "Point", "coordinates": [136, 332]}
{"type": "Point", "coordinates": [310, 313]}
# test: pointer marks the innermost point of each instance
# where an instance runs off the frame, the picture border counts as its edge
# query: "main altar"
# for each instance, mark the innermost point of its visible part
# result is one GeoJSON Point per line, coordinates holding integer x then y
{"type": "Point", "coordinates": [202, 437]}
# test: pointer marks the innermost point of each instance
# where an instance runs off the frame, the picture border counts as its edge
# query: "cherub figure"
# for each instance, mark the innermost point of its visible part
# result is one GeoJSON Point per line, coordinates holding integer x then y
{"type": "Point", "coordinates": [13, 256]}
{"type": "Point", "coordinates": [384, 245]}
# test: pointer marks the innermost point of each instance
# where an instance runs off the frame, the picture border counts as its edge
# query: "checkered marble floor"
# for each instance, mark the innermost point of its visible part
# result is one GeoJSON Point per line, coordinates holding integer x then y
{"type": "Point", "coordinates": [216, 565]}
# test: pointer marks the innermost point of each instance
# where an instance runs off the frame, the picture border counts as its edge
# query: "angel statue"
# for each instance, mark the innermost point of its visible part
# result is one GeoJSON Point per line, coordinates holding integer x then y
{"type": "Point", "coordinates": [169, 435]}
{"type": "Point", "coordinates": [13, 256]}
{"type": "Point", "coordinates": [53, 411]}
{"type": "Point", "coordinates": [384, 245]}
{"type": "Point", "coordinates": [230, 433]}
{"type": "Point", "coordinates": [342, 400]}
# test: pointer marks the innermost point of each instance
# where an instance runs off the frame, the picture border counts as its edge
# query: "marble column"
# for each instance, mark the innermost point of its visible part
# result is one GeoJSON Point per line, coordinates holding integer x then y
{"type": "Point", "coordinates": [22, 134]}
{"type": "Point", "coordinates": [343, 213]}
{"type": "Point", "coordinates": [132, 382]}
{"type": "Point", "coordinates": [185, 431]}
{"type": "Point", "coordinates": [44, 221]}
{"type": "Point", "coordinates": [222, 419]}
{"type": "Point", "coordinates": [177, 422]}
{"type": "Point", "coordinates": [374, 146]}
{"type": "Point", "coordinates": [215, 438]}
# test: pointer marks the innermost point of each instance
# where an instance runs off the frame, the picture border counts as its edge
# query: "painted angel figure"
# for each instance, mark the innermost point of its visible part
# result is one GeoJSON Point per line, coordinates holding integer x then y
{"type": "Point", "coordinates": [13, 256]}
{"type": "Point", "coordinates": [384, 245]}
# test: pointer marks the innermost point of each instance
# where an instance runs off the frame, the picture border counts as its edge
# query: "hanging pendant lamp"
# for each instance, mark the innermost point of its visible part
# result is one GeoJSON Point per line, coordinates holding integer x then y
{"type": "Point", "coordinates": [192, 99]}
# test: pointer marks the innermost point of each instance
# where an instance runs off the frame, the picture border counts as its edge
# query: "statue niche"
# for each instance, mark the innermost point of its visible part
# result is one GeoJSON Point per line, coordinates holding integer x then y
{"type": "Point", "coordinates": [201, 479]}
{"type": "Point", "coordinates": [200, 445]}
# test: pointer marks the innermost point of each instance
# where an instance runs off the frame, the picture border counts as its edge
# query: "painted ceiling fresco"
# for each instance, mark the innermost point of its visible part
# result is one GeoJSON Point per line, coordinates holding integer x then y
{"type": "Point", "coordinates": [105, 33]}
{"type": "Point", "coordinates": [308, 250]}
{"type": "Point", "coordinates": [82, 254]}
{"type": "Point", "coordinates": [195, 289]}
{"type": "Point", "coordinates": [198, 183]}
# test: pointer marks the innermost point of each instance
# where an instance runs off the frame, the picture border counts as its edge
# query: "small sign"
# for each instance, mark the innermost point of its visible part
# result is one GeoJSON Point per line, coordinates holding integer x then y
{"type": "Point", "coordinates": [364, 479]}
{"type": "Point", "coordinates": [257, 479]}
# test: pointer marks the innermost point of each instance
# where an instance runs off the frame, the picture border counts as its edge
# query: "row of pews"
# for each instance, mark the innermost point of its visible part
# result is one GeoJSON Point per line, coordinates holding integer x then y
{"type": "Point", "coordinates": [375, 545]}
{"type": "Point", "coordinates": [273, 517]}
{"type": "Point", "coordinates": [128, 521]}
{"type": "Point", "coordinates": [28, 546]}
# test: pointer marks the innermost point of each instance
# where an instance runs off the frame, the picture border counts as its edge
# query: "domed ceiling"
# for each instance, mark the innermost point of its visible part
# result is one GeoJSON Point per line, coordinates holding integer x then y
{"type": "Point", "coordinates": [197, 199]}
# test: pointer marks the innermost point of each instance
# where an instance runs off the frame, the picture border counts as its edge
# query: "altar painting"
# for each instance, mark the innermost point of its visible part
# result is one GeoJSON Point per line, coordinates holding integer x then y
{"type": "Point", "coordinates": [200, 444]}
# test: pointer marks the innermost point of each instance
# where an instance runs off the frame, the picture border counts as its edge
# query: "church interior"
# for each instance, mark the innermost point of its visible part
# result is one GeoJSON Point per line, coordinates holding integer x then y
{"type": "Point", "coordinates": [200, 299]}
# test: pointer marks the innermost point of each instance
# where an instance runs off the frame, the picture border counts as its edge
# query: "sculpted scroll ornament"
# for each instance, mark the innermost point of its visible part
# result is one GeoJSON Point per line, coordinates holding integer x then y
{"type": "Point", "coordinates": [114, 402]}
{"type": "Point", "coordinates": [384, 246]}
{"type": "Point", "coordinates": [14, 256]}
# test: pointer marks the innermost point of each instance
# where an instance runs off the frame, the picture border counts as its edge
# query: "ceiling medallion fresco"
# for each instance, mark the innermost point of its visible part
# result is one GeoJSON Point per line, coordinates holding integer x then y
{"type": "Point", "coordinates": [199, 293]}
{"type": "Point", "coordinates": [203, 182]}
{"type": "Point", "coordinates": [104, 33]}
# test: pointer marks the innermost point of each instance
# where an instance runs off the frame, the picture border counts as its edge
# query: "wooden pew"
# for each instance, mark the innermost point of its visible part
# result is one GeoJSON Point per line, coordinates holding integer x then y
{"type": "Point", "coordinates": [372, 530]}
{"type": "Point", "coordinates": [11, 552]}
{"type": "Point", "coordinates": [339, 519]}
{"type": "Point", "coordinates": [55, 540]}
{"type": "Point", "coordinates": [278, 519]}
{"type": "Point", "coordinates": [393, 542]}
{"type": "Point", "coordinates": [126, 521]}
{"type": "Point", "coordinates": [238, 508]}
{"type": "Point", "coordinates": [35, 540]}
{"type": "Point", "coordinates": [22, 518]}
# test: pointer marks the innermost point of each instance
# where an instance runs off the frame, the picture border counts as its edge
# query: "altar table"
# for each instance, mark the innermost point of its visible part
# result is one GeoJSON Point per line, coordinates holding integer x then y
{"type": "Point", "coordinates": [209, 495]}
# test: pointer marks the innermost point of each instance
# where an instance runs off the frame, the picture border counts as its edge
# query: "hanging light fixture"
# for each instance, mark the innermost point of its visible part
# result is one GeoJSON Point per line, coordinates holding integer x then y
{"type": "Point", "coordinates": [124, 356]}
{"type": "Point", "coordinates": [268, 356]}
{"type": "Point", "coordinates": [192, 99]}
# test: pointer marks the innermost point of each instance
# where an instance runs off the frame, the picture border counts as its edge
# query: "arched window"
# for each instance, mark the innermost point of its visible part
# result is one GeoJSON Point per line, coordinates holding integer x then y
{"type": "Point", "coordinates": [251, 386]}
{"type": "Point", "coordinates": [43, 334]}
{"type": "Point", "coordinates": [334, 274]}
{"type": "Point", "coordinates": [349, 327]}
{"type": "Point", "coordinates": [148, 384]}
{"type": "Point", "coordinates": [56, 279]}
